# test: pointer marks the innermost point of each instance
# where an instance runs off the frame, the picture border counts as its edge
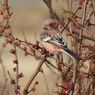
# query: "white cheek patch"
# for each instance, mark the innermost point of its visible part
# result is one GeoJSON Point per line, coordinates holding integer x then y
{"type": "Point", "coordinates": [46, 39]}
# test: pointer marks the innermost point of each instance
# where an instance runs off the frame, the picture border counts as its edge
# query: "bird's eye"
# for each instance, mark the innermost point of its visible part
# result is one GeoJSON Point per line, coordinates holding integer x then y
{"type": "Point", "coordinates": [61, 40]}
{"type": "Point", "coordinates": [51, 24]}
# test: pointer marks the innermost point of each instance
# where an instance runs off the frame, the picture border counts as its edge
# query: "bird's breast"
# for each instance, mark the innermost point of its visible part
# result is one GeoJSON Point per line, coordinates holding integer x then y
{"type": "Point", "coordinates": [51, 47]}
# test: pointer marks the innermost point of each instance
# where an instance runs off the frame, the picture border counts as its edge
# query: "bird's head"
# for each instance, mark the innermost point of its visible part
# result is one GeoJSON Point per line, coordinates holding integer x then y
{"type": "Point", "coordinates": [48, 24]}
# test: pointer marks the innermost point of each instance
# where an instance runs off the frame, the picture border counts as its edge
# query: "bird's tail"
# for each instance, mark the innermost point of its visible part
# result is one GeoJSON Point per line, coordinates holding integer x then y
{"type": "Point", "coordinates": [71, 54]}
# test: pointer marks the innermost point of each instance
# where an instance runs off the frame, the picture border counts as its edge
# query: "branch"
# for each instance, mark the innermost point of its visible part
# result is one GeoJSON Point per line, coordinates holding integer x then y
{"type": "Point", "coordinates": [25, 92]}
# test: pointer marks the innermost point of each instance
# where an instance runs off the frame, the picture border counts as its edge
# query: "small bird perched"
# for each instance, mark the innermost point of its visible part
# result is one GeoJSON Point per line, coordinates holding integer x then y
{"type": "Point", "coordinates": [52, 39]}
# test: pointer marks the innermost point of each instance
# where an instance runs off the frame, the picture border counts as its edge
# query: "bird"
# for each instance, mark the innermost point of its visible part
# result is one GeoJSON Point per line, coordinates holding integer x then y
{"type": "Point", "coordinates": [52, 39]}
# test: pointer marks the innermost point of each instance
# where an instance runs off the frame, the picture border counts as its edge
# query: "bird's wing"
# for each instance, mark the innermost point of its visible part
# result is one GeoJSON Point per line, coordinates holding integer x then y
{"type": "Point", "coordinates": [53, 37]}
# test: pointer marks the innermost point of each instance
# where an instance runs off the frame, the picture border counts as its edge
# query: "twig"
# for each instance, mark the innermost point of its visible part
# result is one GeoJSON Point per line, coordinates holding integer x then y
{"type": "Point", "coordinates": [15, 86]}
{"type": "Point", "coordinates": [82, 28]}
{"type": "Point", "coordinates": [46, 83]}
{"type": "Point", "coordinates": [64, 27]}
{"type": "Point", "coordinates": [83, 24]}
{"type": "Point", "coordinates": [74, 75]}
{"type": "Point", "coordinates": [4, 87]}
{"type": "Point", "coordinates": [84, 36]}
{"type": "Point", "coordinates": [16, 58]}
{"type": "Point", "coordinates": [25, 92]}
{"type": "Point", "coordinates": [93, 5]}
